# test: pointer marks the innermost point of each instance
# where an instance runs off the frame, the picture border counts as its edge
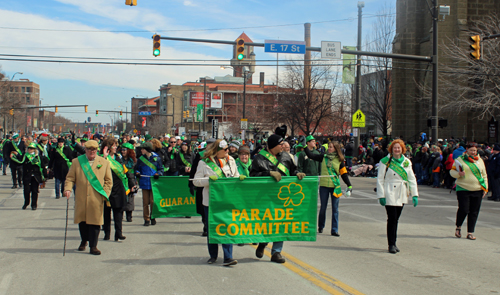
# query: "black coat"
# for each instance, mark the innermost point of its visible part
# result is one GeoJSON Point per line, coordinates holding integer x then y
{"type": "Point", "coordinates": [58, 164]}
{"type": "Point", "coordinates": [262, 166]}
{"type": "Point", "coordinates": [9, 148]}
{"type": "Point", "coordinates": [170, 162]}
{"type": "Point", "coordinates": [494, 166]}
{"type": "Point", "coordinates": [118, 196]}
{"type": "Point", "coordinates": [30, 169]}
{"type": "Point", "coordinates": [189, 157]}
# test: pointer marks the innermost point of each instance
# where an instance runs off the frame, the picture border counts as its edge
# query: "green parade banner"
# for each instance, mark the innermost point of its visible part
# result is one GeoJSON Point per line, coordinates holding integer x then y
{"type": "Point", "coordinates": [259, 209]}
{"type": "Point", "coordinates": [172, 197]}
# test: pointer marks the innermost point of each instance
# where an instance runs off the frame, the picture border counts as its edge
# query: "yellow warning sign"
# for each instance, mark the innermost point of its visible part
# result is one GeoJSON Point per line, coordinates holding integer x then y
{"type": "Point", "coordinates": [358, 119]}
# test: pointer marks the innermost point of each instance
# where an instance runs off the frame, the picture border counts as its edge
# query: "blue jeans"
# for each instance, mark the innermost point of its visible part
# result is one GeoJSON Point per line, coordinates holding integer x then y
{"type": "Point", "coordinates": [277, 247]}
{"type": "Point", "coordinates": [425, 176]}
{"type": "Point", "coordinates": [324, 194]}
{"type": "Point", "coordinates": [418, 171]}
{"type": "Point", "coordinates": [213, 249]}
{"type": "Point", "coordinates": [349, 162]}
{"type": "Point", "coordinates": [59, 187]}
{"type": "Point", "coordinates": [436, 176]}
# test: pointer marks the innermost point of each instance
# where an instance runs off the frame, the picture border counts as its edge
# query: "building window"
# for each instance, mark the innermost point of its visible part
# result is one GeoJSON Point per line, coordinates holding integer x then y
{"type": "Point", "coordinates": [27, 99]}
{"type": "Point", "coordinates": [23, 89]}
{"type": "Point", "coordinates": [28, 89]}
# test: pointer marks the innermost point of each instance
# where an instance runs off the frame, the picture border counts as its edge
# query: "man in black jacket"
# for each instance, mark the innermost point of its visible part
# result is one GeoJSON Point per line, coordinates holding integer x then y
{"type": "Point", "coordinates": [494, 173]}
{"type": "Point", "coordinates": [16, 169]}
{"type": "Point", "coordinates": [60, 161]}
{"type": "Point", "coordinates": [262, 166]}
{"type": "Point", "coordinates": [170, 164]}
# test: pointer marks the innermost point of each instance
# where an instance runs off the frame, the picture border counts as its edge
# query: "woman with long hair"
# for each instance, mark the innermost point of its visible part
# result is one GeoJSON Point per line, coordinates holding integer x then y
{"type": "Point", "coordinates": [472, 186]}
{"type": "Point", "coordinates": [332, 164]}
{"type": "Point", "coordinates": [185, 159]}
{"type": "Point", "coordinates": [396, 183]}
{"type": "Point", "coordinates": [123, 182]}
{"type": "Point", "coordinates": [215, 164]}
{"type": "Point", "coordinates": [129, 160]}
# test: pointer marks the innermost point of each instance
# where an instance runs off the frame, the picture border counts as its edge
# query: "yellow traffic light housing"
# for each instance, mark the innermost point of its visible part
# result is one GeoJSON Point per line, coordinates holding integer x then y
{"type": "Point", "coordinates": [240, 49]}
{"type": "Point", "coordinates": [184, 114]}
{"type": "Point", "coordinates": [96, 113]}
{"type": "Point", "coordinates": [86, 109]}
{"type": "Point", "coordinates": [57, 109]}
{"type": "Point", "coordinates": [156, 45]}
{"type": "Point", "coordinates": [476, 53]}
{"type": "Point", "coordinates": [187, 114]}
{"type": "Point", "coordinates": [11, 112]}
{"type": "Point", "coordinates": [121, 114]}
{"type": "Point", "coordinates": [131, 2]}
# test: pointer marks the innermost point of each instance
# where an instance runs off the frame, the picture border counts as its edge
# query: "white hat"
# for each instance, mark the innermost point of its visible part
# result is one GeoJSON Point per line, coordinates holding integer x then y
{"type": "Point", "coordinates": [177, 137]}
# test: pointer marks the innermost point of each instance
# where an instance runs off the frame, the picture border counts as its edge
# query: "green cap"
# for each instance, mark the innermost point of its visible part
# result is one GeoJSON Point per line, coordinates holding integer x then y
{"type": "Point", "coordinates": [148, 137]}
{"type": "Point", "coordinates": [128, 146]}
{"type": "Point", "coordinates": [309, 138]}
{"type": "Point", "coordinates": [32, 145]}
{"type": "Point", "coordinates": [299, 146]}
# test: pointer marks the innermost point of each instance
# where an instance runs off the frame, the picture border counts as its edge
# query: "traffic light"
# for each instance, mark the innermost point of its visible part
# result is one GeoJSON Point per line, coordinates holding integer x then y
{"type": "Point", "coordinates": [11, 112]}
{"type": "Point", "coordinates": [476, 53]}
{"type": "Point", "coordinates": [86, 109]}
{"type": "Point", "coordinates": [184, 114]}
{"type": "Point", "coordinates": [156, 45]}
{"type": "Point", "coordinates": [131, 2]}
{"type": "Point", "coordinates": [96, 113]}
{"type": "Point", "coordinates": [121, 114]}
{"type": "Point", "coordinates": [187, 114]}
{"type": "Point", "coordinates": [56, 109]}
{"type": "Point", "coordinates": [240, 49]}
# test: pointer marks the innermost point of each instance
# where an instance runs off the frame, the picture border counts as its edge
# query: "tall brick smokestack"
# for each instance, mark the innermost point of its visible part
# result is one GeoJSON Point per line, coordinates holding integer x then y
{"type": "Point", "coordinates": [307, 56]}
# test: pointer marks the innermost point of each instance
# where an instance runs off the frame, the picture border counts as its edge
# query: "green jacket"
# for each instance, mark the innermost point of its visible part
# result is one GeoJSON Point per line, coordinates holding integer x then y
{"type": "Point", "coordinates": [308, 166]}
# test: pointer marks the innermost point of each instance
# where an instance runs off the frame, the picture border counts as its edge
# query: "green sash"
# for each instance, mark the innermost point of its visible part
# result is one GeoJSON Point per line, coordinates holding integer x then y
{"type": "Point", "coordinates": [184, 160]}
{"type": "Point", "coordinates": [119, 170]}
{"type": "Point", "coordinates": [396, 167]}
{"type": "Point", "coordinates": [60, 152]}
{"type": "Point", "coordinates": [16, 147]}
{"type": "Point", "coordinates": [476, 172]}
{"type": "Point", "coordinates": [94, 182]}
{"type": "Point", "coordinates": [215, 168]}
{"type": "Point", "coordinates": [243, 168]}
{"type": "Point", "coordinates": [335, 178]}
{"type": "Point", "coordinates": [165, 144]}
{"type": "Point", "coordinates": [146, 161]}
{"type": "Point", "coordinates": [275, 162]}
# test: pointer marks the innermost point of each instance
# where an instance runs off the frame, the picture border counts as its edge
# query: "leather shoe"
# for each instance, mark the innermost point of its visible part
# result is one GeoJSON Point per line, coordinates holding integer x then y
{"type": "Point", "coordinates": [260, 251]}
{"type": "Point", "coordinates": [82, 246]}
{"type": "Point", "coordinates": [106, 236]}
{"type": "Point", "coordinates": [335, 234]}
{"type": "Point", "coordinates": [229, 262]}
{"type": "Point", "coordinates": [33, 208]}
{"type": "Point", "coordinates": [119, 237]}
{"type": "Point", "coordinates": [25, 206]}
{"type": "Point", "coordinates": [397, 249]}
{"type": "Point", "coordinates": [95, 251]}
{"type": "Point", "coordinates": [153, 221]}
{"type": "Point", "coordinates": [277, 258]}
{"type": "Point", "coordinates": [146, 222]}
{"type": "Point", "coordinates": [204, 234]}
{"type": "Point", "coordinates": [392, 249]}
{"type": "Point", "coordinates": [320, 230]}
{"type": "Point", "coordinates": [14, 186]}
{"type": "Point", "coordinates": [212, 260]}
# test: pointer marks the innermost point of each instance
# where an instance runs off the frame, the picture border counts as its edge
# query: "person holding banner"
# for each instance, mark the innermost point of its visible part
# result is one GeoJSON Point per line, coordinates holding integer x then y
{"type": "Point", "coordinates": [215, 164]}
{"type": "Point", "coordinates": [60, 163]}
{"type": "Point", "coordinates": [91, 175]}
{"type": "Point", "coordinates": [273, 162]}
{"type": "Point", "coordinates": [185, 159]}
{"type": "Point", "coordinates": [472, 186]}
{"type": "Point", "coordinates": [244, 162]}
{"type": "Point", "coordinates": [331, 164]}
{"type": "Point", "coordinates": [396, 183]}
{"type": "Point", "coordinates": [149, 164]}
{"type": "Point", "coordinates": [123, 183]}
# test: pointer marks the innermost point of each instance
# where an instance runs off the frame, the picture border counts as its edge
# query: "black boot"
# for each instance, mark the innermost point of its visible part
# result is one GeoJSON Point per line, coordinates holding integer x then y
{"type": "Point", "coordinates": [129, 216]}
{"type": "Point", "coordinates": [119, 236]}
{"type": "Point", "coordinates": [106, 236]}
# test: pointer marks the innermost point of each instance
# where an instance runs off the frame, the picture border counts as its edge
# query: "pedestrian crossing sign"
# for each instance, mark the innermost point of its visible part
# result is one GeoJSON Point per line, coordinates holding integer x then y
{"type": "Point", "coordinates": [358, 119]}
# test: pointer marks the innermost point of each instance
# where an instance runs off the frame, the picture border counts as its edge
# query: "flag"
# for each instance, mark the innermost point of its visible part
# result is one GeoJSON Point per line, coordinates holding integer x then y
{"type": "Point", "coordinates": [348, 69]}
{"type": "Point", "coordinates": [172, 197]}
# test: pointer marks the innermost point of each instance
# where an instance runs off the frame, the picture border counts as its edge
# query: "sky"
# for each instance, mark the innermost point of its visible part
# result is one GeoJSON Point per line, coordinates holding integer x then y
{"type": "Point", "coordinates": [110, 29]}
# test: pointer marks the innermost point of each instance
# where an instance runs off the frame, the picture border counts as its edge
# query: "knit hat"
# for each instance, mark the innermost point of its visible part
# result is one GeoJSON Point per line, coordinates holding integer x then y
{"type": "Point", "coordinates": [309, 138]}
{"type": "Point", "coordinates": [61, 139]}
{"type": "Point", "coordinates": [274, 140]}
{"type": "Point", "coordinates": [15, 136]}
{"type": "Point", "coordinates": [244, 150]}
{"type": "Point", "coordinates": [235, 144]}
{"type": "Point", "coordinates": [148, 146]}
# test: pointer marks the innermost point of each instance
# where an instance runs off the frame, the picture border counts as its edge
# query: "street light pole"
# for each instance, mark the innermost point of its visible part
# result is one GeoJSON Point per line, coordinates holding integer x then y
{"type": "Point", "coordinates": [357, 138]}
{"type": "Point", "coordinates": [434, 115]}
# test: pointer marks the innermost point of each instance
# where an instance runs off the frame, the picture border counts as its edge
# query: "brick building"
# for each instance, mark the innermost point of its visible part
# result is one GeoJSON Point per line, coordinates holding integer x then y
{"type": "Point", "coordinates": [23, 93]}
{"type": "Point", "coordinates": [414, 36]}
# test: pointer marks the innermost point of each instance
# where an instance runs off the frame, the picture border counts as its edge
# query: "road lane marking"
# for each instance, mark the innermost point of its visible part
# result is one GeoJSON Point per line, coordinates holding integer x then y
{"type": "Point", "coordinates": [315, 275]}
{"type": "Point", "coordinates": [5, 284]}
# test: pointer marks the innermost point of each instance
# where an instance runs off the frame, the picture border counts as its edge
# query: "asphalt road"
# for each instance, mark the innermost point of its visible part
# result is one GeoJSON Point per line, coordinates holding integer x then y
{"type": "Point", "coordinates": [170, 258]}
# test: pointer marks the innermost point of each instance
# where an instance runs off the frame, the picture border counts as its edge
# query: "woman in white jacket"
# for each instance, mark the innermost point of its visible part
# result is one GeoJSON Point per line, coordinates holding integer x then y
{"type": "Point", "coordinates": [396, 182]}
{"type": "Point", "coordinates": [215, 164]}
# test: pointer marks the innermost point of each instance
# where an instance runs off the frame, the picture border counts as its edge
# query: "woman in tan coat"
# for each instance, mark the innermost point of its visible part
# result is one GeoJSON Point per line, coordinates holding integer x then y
{"type": "Point", "coordinates": [89, 195]}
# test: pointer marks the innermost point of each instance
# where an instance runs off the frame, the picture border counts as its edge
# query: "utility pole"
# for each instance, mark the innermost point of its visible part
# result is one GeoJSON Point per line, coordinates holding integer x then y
{"type": "Point", "coordinates": [361, 4]}
{"type": "Point", "coordinates": [204, 100]}
{"type": "Point", "coordinates": [434, 115]}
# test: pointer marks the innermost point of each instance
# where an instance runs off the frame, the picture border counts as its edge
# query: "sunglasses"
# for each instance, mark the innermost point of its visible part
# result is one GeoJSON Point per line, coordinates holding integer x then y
{"type": "Point", "coordinates": [173, 142]}
{"type": "Point", "coordinates": [92, 149]}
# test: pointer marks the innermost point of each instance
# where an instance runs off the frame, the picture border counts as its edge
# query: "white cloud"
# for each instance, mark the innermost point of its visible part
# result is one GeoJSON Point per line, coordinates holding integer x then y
{"type": "Point", "coordinates": [189, 3]}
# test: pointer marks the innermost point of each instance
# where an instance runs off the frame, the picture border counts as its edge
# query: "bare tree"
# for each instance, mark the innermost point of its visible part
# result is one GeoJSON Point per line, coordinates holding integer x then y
{"type": "Point", "coordinates": [467, 84]}
{"type": "Point", "coordinates": [306, 108]}
{"type": "Point", "coordinates": [376, 95]}
{"type": "Point", "coordinates": [157, 125]}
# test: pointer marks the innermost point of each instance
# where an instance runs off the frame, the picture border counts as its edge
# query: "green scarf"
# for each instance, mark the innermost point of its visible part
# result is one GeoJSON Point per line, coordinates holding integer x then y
{"type": "Point", "coordinates": [243, 168]}
{"type": "Point", "coordinates": [119, 170]}
{"type": "Point", "coordinates": [94, 182]}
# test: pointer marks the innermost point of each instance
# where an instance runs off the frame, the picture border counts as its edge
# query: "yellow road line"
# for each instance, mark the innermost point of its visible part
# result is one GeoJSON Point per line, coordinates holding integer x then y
{"type": "Point", "coordinates": [310, 269]}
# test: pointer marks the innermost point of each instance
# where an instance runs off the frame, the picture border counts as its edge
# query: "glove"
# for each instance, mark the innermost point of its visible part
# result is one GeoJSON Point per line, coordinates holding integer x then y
{"type": "Point", "coordinates": [156, 176]}
{"type": "Point", "coordinates": [213, 177]}
{"type": "Point", "coordinates": [382, 201]}
{"type": "Point", "coordinates": [300, 175]}
{"type": "Point", "coordinates": [415, 201]}
{"type": "Point", "coordinates": [138, 175]}
{"type": "Point", "coordinates": [276, 175]}
{"type": "Point", "coordinates": [348, 192]}
{"type": "Point", "coordinates": [242, 177]}
{"type": "Point", "coordinates": [191, 190]}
